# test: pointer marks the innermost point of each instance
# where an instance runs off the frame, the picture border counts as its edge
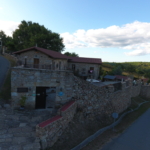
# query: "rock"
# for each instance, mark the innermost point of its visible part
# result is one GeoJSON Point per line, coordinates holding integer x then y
{"type": "Point", "coordinates": [6, 105]}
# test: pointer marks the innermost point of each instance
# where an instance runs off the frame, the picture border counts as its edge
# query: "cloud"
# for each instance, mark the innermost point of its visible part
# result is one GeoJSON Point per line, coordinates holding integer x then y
{"type": "Point", "coordinates": [8, 26]}
{"type": "Point", "coordinates": [133, 36]}
{"type": "Point", "coordinates": [71, 41]}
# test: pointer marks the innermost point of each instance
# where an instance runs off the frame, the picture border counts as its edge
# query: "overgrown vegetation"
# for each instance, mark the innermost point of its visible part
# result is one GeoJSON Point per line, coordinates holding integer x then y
{"type": "Point", "coordinates": [29, 34]}
{"type": "Point", "coordinates": [137, 69]}
{"type": "Point", "coordinates": [5, 93]}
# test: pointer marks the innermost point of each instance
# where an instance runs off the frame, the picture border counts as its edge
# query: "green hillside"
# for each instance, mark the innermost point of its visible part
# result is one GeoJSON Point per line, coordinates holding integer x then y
{"type": "Point", "coordinates": [136, 69]}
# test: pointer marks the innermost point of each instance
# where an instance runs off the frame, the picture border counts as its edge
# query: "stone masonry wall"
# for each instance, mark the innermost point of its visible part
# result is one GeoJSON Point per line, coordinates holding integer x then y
{"type": "Point", "coordinates": [93, 102]}
{"type": "Point", "coordinates": [145, 91]}
{"type": "Point", "coordinates": [103, 101]}
{"type": "Point", "coordinates": [86, 67]}
{"type": "Point", "coordinates": [43, 59]}
{"type": "Point", "coordinates": [50, 130]}
{"type": "Point", "coordinates": [32, 78]}
{"type": "Point", "coordinates": [136, 89]}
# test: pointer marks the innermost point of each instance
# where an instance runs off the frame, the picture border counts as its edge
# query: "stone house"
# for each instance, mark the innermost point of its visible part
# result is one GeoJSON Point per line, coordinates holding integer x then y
{"type": "Point", "coordinates": [45, 77]}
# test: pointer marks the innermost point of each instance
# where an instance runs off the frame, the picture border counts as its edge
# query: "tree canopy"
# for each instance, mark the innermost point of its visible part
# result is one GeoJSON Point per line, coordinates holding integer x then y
{"type": "Point", "coordinates": [5, 40]}
{"type": "Point", "coordinates": [31, 34]}
{"type": "Point", "coordinates": [73, 54]}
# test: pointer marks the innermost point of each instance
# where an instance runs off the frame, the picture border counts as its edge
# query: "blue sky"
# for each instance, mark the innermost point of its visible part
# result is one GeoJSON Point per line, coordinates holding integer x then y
{"type": "Point", "coordinates": [112, 30]}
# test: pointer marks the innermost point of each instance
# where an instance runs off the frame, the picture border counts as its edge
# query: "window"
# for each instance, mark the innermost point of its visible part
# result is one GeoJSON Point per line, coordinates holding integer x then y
{"type": "Point", "coordinates": [73, 67]}
{"type": "Point", "coordinates": [91, 68]}
{"type": "Point", "coordinates": [56, 65]}
{"type": "Point", "coordinates": [25, 62]}
{"type": "Point", "coordinates": [53, 64]}
{"type": "Point", "coordinates": [22, 90]}
{"type": "Point", "coordinates": [60, 65]}
{"type": "Point", "coordinates": [83, 71]}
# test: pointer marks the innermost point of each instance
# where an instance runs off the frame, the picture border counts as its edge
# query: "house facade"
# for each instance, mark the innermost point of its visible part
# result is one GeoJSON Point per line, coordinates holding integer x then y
{"type": "Point", "coordinates": [45, 77]}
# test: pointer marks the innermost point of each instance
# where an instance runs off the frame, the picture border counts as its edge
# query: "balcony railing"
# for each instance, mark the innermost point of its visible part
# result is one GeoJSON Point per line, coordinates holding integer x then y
{"type": "Point", "coordinates": [43, 66]}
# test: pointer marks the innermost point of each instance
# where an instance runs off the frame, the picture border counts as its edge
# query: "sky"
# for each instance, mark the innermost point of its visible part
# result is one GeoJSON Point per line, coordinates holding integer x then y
{"type": "Point", "coordinates": [113, 30]}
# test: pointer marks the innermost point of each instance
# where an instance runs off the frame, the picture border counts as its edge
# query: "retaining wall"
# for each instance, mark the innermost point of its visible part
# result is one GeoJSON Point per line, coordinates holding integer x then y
{"type": "Point", "coordinates": [92, 102]}
{"type": "Point", "coordinates": [31, 78]}
{"type": "Point", "coordinates": [145, 91]}
{"type": "Point", "coordinates": [50, 130]}
{"type": "Point", "coordinates": [101, 102]}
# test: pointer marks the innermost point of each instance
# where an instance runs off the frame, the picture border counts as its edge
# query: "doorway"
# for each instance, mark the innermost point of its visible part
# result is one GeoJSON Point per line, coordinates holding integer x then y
{"type": "Point", "coordinates": [40, 98]}
{"type": "Point", "coordinates": [50, 97]}
{"type": "Point", "coordinates": [36, 63]}
{"type": "Point", "coordinates": [45, 97]}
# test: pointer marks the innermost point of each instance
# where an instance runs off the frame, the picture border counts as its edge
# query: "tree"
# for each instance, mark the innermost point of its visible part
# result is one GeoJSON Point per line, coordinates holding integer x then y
{"type": "Point", "coordinates": [130, 68]}
{"type": "Point", "coordinates": [117, 70]}
{"type": "Point", "coordinates": [147, 73]}
{"type": "Point", "coordinates": [3, 37]}
{"type": "Point", "coordinates": [31, 34]}
{"type": "Point", "coordinates": [73, 54]}
{"type": "Point", "coordinates": [6, 40]}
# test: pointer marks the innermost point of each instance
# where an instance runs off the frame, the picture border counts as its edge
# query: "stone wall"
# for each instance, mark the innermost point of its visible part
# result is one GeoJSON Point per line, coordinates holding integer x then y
{"type": "Point", "coordinates": [92, 102]}
{"type": "Point", "coordinates": [136, 89]}
{"type": "Point", "coordinates": [145, 91]}
{"type": "Point", "coordinates": [32, 78]}
{"type": "Point", "coordinates": [43, 59]}
{"type": "Point", "coordinates": [89, 96]}
{"type": "Point", "coordinates": [50, 130]}
{"type": "Point", "coordinates": [86, 68]}
{"type": "Point", "coordinates": [95, 101]}
{"type": "Point", "coordinates": [9, 56]}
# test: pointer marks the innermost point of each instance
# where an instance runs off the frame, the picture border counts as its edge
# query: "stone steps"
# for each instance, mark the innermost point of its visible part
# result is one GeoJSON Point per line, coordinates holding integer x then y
{"type": "Point", "coordinates": [17, 128]}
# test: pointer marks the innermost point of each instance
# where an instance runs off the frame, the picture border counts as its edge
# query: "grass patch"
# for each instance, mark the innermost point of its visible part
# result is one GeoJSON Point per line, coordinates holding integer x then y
{"type": "Point", "coordinates": [124, 124]}
{"type": "Point", "coordinates": [5, 93]}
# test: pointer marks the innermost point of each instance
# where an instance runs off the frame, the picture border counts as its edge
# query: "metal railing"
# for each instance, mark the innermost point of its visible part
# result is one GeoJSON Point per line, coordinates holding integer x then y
{"type": "Point", "coordinates": [42, 66]}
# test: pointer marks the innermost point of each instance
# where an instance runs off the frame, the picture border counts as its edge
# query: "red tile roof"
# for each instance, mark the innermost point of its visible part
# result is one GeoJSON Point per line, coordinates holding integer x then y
{"type": "Point", "coordinates": [51, 53]}
{"type": "Point", "coordinates": [56, 55]}
{"type": "Point", "coordinates": [145, 80]}
{"type": "Point", "coordinates": [121, 77]}
{"type": "Point", "coordinates": [85, 60]}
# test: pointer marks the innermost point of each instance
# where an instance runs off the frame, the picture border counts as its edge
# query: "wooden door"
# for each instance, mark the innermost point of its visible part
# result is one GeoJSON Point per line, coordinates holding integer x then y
{"type": "Point", "coordinates": [40, 98]}
{"type": "Point", "coordinates": [36, 63]}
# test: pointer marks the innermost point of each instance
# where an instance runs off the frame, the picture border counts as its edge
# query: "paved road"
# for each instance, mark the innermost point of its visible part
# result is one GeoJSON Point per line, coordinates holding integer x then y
{"type": "Point", "coordinates": [4, 65]}
{"type": "Point", "coordinates": [136, 137]}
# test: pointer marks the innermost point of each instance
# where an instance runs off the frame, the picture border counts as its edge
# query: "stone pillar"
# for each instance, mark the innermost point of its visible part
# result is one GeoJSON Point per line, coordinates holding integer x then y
{"type": "Point", "coordinates": [130, 82]}
{"type": "Point", "coordinates": [123, 85]}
